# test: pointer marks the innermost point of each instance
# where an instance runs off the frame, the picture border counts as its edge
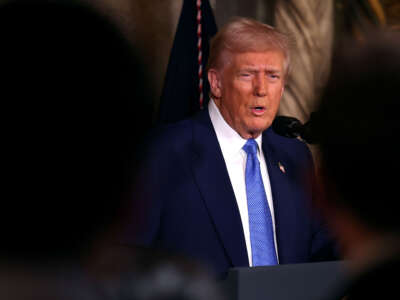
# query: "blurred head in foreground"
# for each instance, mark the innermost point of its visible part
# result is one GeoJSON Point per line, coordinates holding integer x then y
{"type": "Point", "coordinates": [359, 130]}
{"type": "Point", "coordinates": [74, 111]}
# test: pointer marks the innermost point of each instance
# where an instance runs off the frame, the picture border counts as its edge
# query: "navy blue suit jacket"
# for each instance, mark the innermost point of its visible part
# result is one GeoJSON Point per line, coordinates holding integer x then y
{"type": "Point", "coordinates": [186, 203]}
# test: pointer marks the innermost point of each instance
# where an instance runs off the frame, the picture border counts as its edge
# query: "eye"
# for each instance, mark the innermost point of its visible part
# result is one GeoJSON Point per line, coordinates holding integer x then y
{"type": "Point", "coordinates": [245, 76]}
{"type": "Point", "coordinates": [273, 76]}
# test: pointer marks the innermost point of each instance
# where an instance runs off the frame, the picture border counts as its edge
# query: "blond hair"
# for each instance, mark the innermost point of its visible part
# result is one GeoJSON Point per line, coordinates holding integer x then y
{"type": "Point", "coordinates": [246, 35]}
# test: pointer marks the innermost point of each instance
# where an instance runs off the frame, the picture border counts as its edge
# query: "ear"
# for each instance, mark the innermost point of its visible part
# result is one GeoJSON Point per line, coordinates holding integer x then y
{"type": "Point", "coordinates": [283, 89]}
{"type": "Point", "coordinates": [214, 78]}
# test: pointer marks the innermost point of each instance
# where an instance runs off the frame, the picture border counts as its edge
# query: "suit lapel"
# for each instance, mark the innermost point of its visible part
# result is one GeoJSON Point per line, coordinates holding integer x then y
{"type": "Point", "coordinates": [212, 178]}
{"type": "Point", "coordinates": [281, 192]}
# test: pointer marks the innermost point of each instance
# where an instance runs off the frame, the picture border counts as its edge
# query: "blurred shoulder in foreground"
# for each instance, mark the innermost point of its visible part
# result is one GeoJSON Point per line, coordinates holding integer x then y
{"type": "Point", "coordinates": [76, 107]}
{"type": "Point", "coordinates": [358, 132]}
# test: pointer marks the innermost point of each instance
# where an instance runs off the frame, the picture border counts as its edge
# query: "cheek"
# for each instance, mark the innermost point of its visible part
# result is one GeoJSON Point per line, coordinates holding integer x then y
{"type": "Point", "coordinates": [237, 100]}
{"type": "Point", "coordinates": [276, 96]}
{"type": "Point", "coordinates": [275, 104]}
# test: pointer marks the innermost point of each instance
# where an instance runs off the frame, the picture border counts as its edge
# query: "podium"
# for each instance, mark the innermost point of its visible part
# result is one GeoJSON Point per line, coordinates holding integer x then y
{"type": "Point", "coordinates": [307, 281]}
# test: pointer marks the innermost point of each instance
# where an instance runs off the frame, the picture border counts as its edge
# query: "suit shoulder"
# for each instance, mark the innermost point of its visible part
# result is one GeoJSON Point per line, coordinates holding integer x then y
{"type": "Point", "coordinates": [290, 147]}
{"type": "Point", "coordinates": [285, 142]}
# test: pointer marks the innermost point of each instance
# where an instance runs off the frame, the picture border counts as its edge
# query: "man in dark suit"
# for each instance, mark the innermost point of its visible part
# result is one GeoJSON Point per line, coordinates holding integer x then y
{"type": "Point", "coordinates": [206, 179]}
{"type": "Point", "coordinates": [358, 125]}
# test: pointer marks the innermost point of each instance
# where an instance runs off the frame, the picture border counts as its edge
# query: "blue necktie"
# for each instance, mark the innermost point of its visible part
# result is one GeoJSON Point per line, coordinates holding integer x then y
{"type": "Point", "coordinates": [260, 220]}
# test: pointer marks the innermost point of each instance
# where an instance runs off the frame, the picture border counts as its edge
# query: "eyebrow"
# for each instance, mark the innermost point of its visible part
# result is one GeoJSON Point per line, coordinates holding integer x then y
{"type": "Point", "coordinates": [267, 70]}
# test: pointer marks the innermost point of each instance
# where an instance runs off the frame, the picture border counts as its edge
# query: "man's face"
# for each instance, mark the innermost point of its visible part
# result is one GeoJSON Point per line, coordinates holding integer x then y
{"type": "Point", "coordinates": [248, 90]}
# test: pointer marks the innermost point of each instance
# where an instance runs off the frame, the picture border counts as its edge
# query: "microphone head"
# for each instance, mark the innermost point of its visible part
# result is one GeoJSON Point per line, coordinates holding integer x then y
{"type": "Point", "coordinates": [287, 126]}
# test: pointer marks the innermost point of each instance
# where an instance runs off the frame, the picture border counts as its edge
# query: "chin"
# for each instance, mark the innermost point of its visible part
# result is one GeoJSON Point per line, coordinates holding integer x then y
{"type": "Point", "coordinates": [254, 129]}
{"type": "Point", "coordinates": [254, 132]}
{"type": "Point", "coordinates": [259, 128]}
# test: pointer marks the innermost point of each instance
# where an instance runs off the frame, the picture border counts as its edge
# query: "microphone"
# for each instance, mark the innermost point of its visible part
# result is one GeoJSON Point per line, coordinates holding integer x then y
{"type": "Point", "coordinates": [287, 126]}
{"type": "Point", "coordinates": [292, 128]}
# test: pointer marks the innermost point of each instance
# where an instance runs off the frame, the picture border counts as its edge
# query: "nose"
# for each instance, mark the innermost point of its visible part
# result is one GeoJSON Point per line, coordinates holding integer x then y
{"type": "Point", "coordinates": [260, 86]}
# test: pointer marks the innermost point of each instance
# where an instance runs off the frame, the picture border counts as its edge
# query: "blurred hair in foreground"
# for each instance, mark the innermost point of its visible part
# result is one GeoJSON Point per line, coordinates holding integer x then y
{"type": "Point", "coordinates": [75, 106]}
{"type": "Point", "coordinates": [360, 127]}
{"type": "Point", "coordinates": [76, 109]}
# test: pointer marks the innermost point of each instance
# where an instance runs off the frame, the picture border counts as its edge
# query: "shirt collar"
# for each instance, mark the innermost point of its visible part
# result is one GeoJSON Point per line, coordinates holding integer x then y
{"type": "Point", "coordinates": [230, 141]}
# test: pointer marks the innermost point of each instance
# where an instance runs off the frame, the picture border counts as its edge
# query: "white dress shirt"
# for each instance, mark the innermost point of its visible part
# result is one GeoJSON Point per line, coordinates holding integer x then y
{"type": "Point", "coordinates": [231, 144]}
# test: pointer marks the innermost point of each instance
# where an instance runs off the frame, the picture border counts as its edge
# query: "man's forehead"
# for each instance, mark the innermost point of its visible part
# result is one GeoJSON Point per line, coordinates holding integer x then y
{"type": "Point", "coordinates": [271, 58]}
{"type": "Point", "coordinates": [258, 54]}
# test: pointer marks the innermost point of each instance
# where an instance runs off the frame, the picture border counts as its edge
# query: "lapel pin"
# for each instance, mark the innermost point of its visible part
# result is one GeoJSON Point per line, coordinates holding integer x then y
{"type": "Point", "coordinates": [281, 167]}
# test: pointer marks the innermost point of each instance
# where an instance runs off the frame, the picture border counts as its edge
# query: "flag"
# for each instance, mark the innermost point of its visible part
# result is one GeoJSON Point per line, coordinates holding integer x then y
{"type": "Point", "coordinates": [186, 86]}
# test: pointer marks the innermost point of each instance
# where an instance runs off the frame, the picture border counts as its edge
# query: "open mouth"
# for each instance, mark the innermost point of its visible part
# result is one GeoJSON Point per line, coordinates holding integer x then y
{"type": "Point", "coordinates": [258, 110]}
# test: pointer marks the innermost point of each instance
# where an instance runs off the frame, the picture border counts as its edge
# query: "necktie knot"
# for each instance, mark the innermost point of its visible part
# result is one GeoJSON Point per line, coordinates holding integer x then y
{"type": "Point", "coordinates": [250, 147]}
